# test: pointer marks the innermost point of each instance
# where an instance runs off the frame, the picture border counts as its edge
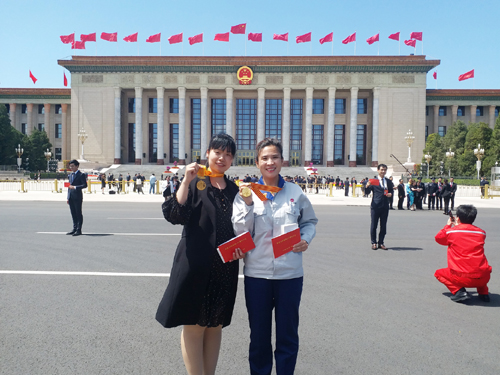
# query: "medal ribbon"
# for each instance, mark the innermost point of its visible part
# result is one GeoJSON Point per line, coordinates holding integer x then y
{"type": "Point", "coordinates": [256, 188]}
{"type": "Point", "coordinates": [203, 172]}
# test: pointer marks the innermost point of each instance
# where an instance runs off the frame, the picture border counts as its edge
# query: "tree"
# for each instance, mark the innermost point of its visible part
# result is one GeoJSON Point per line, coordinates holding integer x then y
{"type": "Point", "coordinates": [9, 139]}
{"type": "Point", "coordinates": [478, 133]}
{"type": "Point", "coordinates": [36, 145]}
{"type": "Point", "coordinates": [492, 154]}
{"type": "Point", "coordinates": [434, 147]}
{"type": "Point", "coordinates": [455, 140]}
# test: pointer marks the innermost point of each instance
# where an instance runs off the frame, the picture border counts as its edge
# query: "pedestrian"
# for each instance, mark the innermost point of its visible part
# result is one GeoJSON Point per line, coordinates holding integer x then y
{"type": "Point", "coordinates": [77, 182]}
{"type": "Point", "coordinates": [391, 198]}
{"type": "Point", "coordinates": [432, 190]}
{"type": "Point", "coordinates": [201, 291]}
{"type": "Point", "coordinates": [152, 183]}
{"type": "Point", "coordinates": [102, 177]}
{"type": "Point", "coordinates": [138, 183]}
{"type": "Point", "coordinates": [410, 196]}
{"type": "Point", "coordinates": [273, 283]}
{"type": "Point", "coordinates": [453, 189]}
{"type": "Point", "coordinates": [346, 187]}
{"type": "Point", "coordinates": [446, 194]}
{"type": "Point", "coordinates": [401, 194]}
{"type": "Point", "coordinates": [439, 198]}
{"type": "Point", "coordinates": [120, 182]}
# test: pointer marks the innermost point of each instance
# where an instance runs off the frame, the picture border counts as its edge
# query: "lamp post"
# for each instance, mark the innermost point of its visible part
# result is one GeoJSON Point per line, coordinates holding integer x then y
{"type": "Point", "coordinates": [449, 154]}
{"type": "Point", "coordinates": [428, 157]}
{"type": "Point", "coordinates": [409, 140]}
{"type": "Point", "coordinates": [19, 152]}
{"type": "Point", "coordinates": [441, 168]}
{"type": "Point", "coordinates": [479, 152]}
{"type": "Point", "coordinates": [48, 155]}
{"type": "Point", "coordinates": [82, 136]}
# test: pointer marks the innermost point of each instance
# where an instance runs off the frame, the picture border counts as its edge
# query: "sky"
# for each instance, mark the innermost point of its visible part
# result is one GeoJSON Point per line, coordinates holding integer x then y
{"type": "Point", "coordinates": [464, 35]}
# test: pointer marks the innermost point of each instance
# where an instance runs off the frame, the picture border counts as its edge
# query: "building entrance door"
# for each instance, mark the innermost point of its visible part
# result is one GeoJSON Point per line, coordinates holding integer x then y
{"type": "Point", "coordinates": [245, 158]}
{"type": "Point", "coordinates": [295, 158]}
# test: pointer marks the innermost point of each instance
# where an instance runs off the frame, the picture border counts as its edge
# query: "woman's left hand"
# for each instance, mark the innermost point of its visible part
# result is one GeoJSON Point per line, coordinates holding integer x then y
{"type": "Point", "coordinates": [300, 247]}
{"type": "Point", "coordinates": [238, 254]}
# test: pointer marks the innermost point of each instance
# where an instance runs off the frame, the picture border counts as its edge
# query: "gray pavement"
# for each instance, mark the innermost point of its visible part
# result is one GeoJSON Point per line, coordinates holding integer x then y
{"type": "Point", "coordinates": [362, 311]}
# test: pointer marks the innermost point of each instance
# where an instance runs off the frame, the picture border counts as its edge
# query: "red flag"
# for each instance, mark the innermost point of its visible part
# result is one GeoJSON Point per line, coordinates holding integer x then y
{"type": "Point", "coordinates": [78, 44]}
{"type": "Point", "coordinates": [327, 38]}
{"type": "Point", "coordinates": [411, 43]}
{"type": "Point", "coordinates": [154, 38]}
{"type": "Point", "coordinates": [87, 37]}
{"type": "Point", "coordinates": [65, 80]}
{"type": "Point", "coordinates": [416, 35]}
{"type": "Point", "coordinates": [110, 37]}
{"type": "Point", "coordinates": [303, 38]}
{"type": "Point", "coordinates": [435, 75]}
{"type": "Point", "coordinates": [195, 39]}
{"type": "Point", "coordinates": [283, 37]}
{"type": "Point", "coordinates": [175, 39]}
{"type": "Point", "coordinates": [255, 37]}
{"type": "Point", "coordinates": [224, 37]}
{"type": "Point", "coordinates": [349, 39]}
{"type": "Point", "coordinates": [463, 77]}
{"type": "Point", "coordinates": [373, 39]}
{"type": "Point", "coordinates": [131, 38]}
{"type": "Point", "coordinates": [33, 77]}
{"type": "Point", "coordinates": [67, 39]}
{"type": "Point", "coordinates": [239, 29]}
{"type": "Point", "coordinates": [394, 36]}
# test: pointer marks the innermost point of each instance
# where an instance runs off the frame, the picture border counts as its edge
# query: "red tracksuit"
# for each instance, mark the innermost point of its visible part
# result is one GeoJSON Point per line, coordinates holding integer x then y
{"type": "Point", "coordinates": [467, 264]}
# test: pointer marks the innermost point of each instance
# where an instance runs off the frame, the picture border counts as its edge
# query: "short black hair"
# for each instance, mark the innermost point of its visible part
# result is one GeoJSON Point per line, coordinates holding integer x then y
{"type": "Point", "coordinates": [224, 142]}
{"type": "Point", "coordinates": [269, 142]}
{"type": "Point", "coordinates": [75, 162]}
{"type": "Point", "coordinates": [381, 166]}
{"type": "Point", "coordinates": [466, 213]}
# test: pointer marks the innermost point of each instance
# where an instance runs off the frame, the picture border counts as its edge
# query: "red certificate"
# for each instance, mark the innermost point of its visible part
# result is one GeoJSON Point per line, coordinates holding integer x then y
{"type": "Point", "coordinates": [243, 241]}
{"type": "Point", "coordinates": [66, 184]}
{"type": "Point", "coordinates": [374, 181]}
{"type": "Point", "coordinates": [283, 244]}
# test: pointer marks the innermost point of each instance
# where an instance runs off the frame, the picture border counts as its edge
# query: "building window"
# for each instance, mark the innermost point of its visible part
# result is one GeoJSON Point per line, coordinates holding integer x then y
{"type": "Point", "coordinates": [339, 144]}
{"type": "Point", "coordinates": [318, 106]}
{"type": "Point", "coordinates": [427, 110]}
{"type": "Point", "coordinates": [153, 105]}
{"type": "Point", "coordinates": [41, 109]}
{"type": "Point", "coordinates": [246, 123]}
{"type": "Point", "coordinates": [479, 111]}
{"type": "Point", "coordinates": [58, 109]}
{"type": "Point", "coordinates": [296, 124]}
{"type": "Point", "coordinates": [131, 105]}
{"type": "Point", "coordinates": [339, 106]}
{"type": "Point", "coordinates": [461, 111]}
{"type": "Point", "coordinates": [426, 132]}
{"type": "Point", "coordinates": [153, 143]}
{"type": "Point", "coordinates": [442, 131]}
{"type": "Point", "coordinates": [41, 127]}
{"type": "Point", "coordinates": [131, 142]}
{"type": "Point", "coordinates": [7, 106]}
{"type": "Point", "coordinates": [361, 145]}
{"type": "Point", "coordinates": [218, 116]}
{"type": "Point", "coordinates": [58, 131]}
{"type": "Point", "coordinates": [196, 124]}
{"type": "Point", "coordinates": [24, 108]}
{"type": "Point", "coordinates": [174, 142]}
{"type": "Point", "coordinates": [442, 111]}
{"type": "Point", "coordinates": [24, 128]}
{"type": "Point", "coordinates": [273, 118]}
{"type": "Point", "coordinates": [362, 106]}
{"type": "Point", "coordinates": [317, 144]}
{"type": "Point", "coordinates": [174, 105]}
{"type": "Point", "coordinates": [58, 154]}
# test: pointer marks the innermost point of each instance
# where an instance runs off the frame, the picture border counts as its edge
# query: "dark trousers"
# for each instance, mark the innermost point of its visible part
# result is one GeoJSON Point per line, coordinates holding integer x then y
{"type": "Point", "coordinates": [346, 192]}
{"type": "Point", "coordinates": [446, 204]}
{"type": "Point", "coordinates": [391, 200]}
{"type": "Point", "coordinates": [452, 199]}
{"type": "Point", "coordinates": [75, 206]}
{"type": "Point", "coordinates": [262, 296]}
{"type": "Point", "coordinates": [418, 202]}
{"type": "Point", "coordinates": [439, 203]}
{"type": "Point", "coordinates": [431, 202]}
{"type": "Point", "coordinates": [379, 214]}
{"type": "Point", "coordinates": [400, 202]}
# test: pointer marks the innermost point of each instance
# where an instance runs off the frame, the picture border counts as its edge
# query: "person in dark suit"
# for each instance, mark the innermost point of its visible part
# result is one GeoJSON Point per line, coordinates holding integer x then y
{"type": "Point", "coordinates": [77, 182]}
{"type": "Point", "coordinates": [201, 291]}
{"type": "Point", "coordinates": [401, 194]}
{"type": "Point", "coordinates": [420, 193]}
{"type": "Point", "coordinates": [391, 199]}
{"type": "Point", "coordinates": [432, 189]}
{"type": "Point", "coordinates": [380, 206]}
{"type": "Point", "coordinates": [346, 187]}
{"type": "Point", "coordinates": [446, 195]}
{"type": "Point", "coordinates": [439, 197]}
{"type": "Point", "coordinates": [454, 188]}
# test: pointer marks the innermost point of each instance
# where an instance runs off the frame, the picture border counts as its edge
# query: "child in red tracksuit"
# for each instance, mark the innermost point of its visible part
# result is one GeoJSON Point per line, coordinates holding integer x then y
{"type": "Point", "coordinates": [467, 264]}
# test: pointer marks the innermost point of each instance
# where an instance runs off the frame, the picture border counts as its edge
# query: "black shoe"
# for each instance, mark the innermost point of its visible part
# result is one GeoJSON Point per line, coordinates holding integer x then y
{"type": "Point", "coordinates": [445, 213]}
{"type": "Point", "coordinates": [484, 297]}
{"type": "Point", "coordinates": [71, 233]}
{"type": "Point", "coordinates": [461, 295]}
{"type": "Point", "coordinates": [77, 233]}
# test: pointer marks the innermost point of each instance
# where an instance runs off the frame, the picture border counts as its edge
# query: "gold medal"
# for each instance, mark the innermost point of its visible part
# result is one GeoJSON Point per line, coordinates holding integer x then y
{"type": "Point", "coordinates": [246, 192]}
{"type": "Point", "coordinates": [201, 185]}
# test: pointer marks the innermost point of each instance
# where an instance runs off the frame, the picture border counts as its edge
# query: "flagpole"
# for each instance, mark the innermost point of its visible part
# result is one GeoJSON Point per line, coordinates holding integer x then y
{"type": "Point", "coordinates": [333, 35]}
{"type": "Point", "coordinates": [160, 47]}
{"type": "Point", "coordinates": [378, 53]}
{"type": "Point", "coordinates": [182, 47]}
{"type": "Point", "coordinates": [261, 48]}
{"type": "Point", "coordinates": [287, 53]}
{"type": "Point", "coordinates": [399, 42]}
{"type": "Point", "coordinates": [245, 42]}
{"type": "Point", "coordinates": [355, 44]}
{"type": "Point", "coordinates": [422, 46]}
{"type": "Point", "coordinates": [311, 49]}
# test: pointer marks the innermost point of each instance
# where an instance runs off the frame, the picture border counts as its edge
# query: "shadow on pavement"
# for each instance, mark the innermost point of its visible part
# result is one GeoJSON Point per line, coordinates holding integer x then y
{"type": "Point", "coordinates": [97, 234]}
{"type": "Point", "coordinates": [405, 248]}
{"type": "Point", "coordinates": [475, 301]}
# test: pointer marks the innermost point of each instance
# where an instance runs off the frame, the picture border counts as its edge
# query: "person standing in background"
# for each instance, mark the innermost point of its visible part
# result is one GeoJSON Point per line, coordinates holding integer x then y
{"type": "Point", "coordinates": [152, 183]}
{"type": "Point", "coordinates": [401, 194]}
{"type": "Point", "coordinates": [77, 182]}
{"type": "Point", "coordinates": [454, 188]}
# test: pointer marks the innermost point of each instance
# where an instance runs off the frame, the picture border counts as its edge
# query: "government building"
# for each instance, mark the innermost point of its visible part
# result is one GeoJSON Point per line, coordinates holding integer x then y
{"type": "Point", "coordinates": [327, 110]}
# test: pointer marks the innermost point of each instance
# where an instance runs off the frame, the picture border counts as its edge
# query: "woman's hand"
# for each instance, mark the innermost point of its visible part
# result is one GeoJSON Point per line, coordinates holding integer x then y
{"type": "Point", "coordinates": [190, 173]}
{"type": "Point", "coordinates": [248, 200]}
{"type": "Point", "coordinates": [300, 247]}
{"type": "Point", "coordinates": [238, 254]}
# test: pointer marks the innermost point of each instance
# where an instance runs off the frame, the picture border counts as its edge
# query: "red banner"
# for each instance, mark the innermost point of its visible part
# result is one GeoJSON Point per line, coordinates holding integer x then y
{"type": "Point", "coordinates": [411, 43]}
{"type": "Point", "coordinates": [131, 38]}
{"type": "Point", "coordinates": [65, 80]}
{"type": "Point", "coordinates": [283, 37]}
{"type": "Point", "coordinates": [469, 74]}
{"type": "Point", "coordinates": [224, 37]}
{"type": "Point", "coordinates": [416, 35]}
{"type": "Point", "coordinates": [196, 39]}
{"type": "Point", "coordinates": [435, 75]}
{"type": "Point", "coordinates": [303, 38]}
{"type": "Point", "coordinates": [239, 29]}
{"type": "Point", "coordinates": [327, 38]}
{"type": "Point", "coordinates": [394, 36]}
{"type": "Point", "coordinates": [33, 77]}
{"type": "Point", "coordinates": [177, 38]}
{"type": "Point", "coordinates": [154, 38]}
{"type": "Point", "coordinates": [88, 37]}
{"type": "Point", "coordinates": [67, 39]}
{"type": "Point", "coordinates": [255, 37]}
{"type": "Point", "coordinates": [349, 39]}
{"type": "Point", "coordinates": [110, 37]}
{"type": "Point", "coordinates": [373, 39]}
{"type": "Point", "coordinates": [77, 44]}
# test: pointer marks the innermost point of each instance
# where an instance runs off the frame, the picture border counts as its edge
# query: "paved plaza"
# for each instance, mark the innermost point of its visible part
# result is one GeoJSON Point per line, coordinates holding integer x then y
{"type": "Point", "coordinates": [86, 305]}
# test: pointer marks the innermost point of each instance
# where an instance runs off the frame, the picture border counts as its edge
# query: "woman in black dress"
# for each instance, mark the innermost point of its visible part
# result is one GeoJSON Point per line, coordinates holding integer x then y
{"type": "Point", "coordinates": [202, 289]}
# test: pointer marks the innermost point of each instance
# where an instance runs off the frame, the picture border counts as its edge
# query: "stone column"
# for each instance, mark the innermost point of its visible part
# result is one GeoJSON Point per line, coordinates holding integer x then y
{"type": "Point", "coordinates": [436, 119]}
{"type": "Point", "coordinates": [308, 140]}
{"type": "Point", "coordinates": [118, 128]}
{"type": "Point", "coordinates": [229, 111]}
{"type": "Point", "coordinates": [12, 115]}
{"type": "Point", "coordinates": [353, 126]}
{"type": "Point", "coordinates": [261, 114]}
{"type": "Point", "coordinates": [330, 162]}
{"type": "Point", "coordinates": [473, 109]}
{"type": "Point", "coordinates": [182, 125]}
{"type": "Point", "coordinates": [454, 114]}
{"type": "Point", "coordinates": [64, 135]}
{"type": "Point", "coordinates": [492, 116]}
{"type": "Point", "coordinates": [203, 125]}
{"type": "Point", "coordinates": [376, 96]}
{"type": "Point", "coordinates": [285, 135]}
{"type": "Point", "coordinates": [160, 91]}
{"type": "Point", "coordinates": [138, 125]}
{"type": "Point", "coordinates": [29, 120]}
{"type": "Point", "coordinates": [46, 120]}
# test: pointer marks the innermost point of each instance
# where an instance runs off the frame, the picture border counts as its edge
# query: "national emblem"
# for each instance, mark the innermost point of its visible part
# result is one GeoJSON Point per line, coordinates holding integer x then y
{"type": "Point", "coordinates": [245, 75]}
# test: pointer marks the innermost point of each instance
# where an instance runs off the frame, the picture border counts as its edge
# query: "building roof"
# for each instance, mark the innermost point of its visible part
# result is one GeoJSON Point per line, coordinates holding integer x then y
{"type": "Point", "coordinates": [13, 93]}
{"type": "Point", "coordinates": [462, 94]}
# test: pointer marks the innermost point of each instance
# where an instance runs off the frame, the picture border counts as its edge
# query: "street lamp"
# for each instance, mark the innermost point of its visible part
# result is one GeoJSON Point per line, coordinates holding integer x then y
{"type": "Point", "coordinates": [428, 157]}
{"type": "Point", "coordinates": [48, 155]}
{"type": "Point", "coordinates": [441, 167]}
{"type": "Point", "coordinates": [449, 154]}
{"type": "Point", "coordinates": [19, 152]}
{"type": "Point", "coordinates": [479, 152]}
{"type": "Point", "coordinates": [82, 136]}
{"type": "Point", "coordinates": [409, 140]}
